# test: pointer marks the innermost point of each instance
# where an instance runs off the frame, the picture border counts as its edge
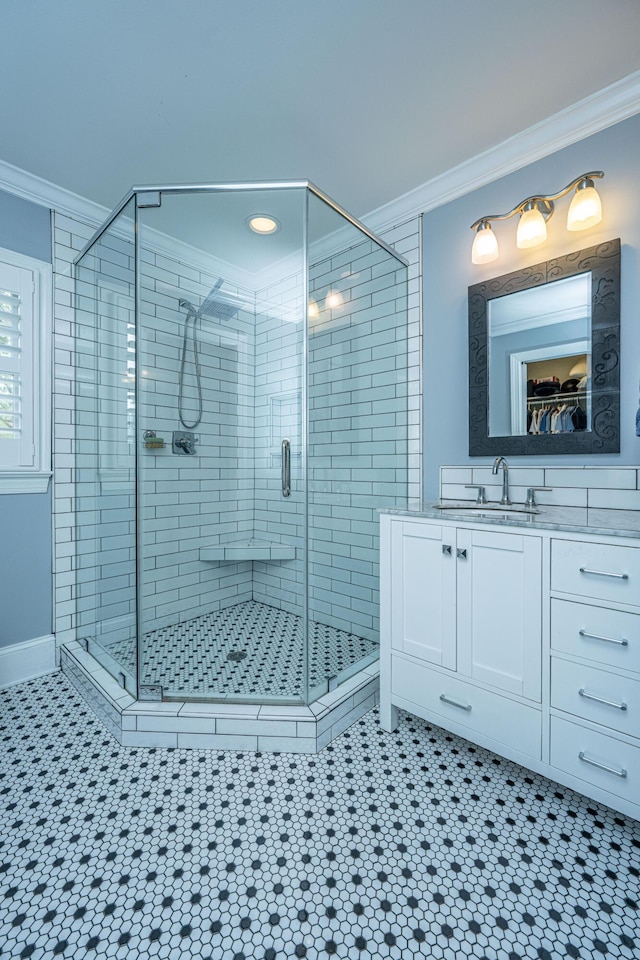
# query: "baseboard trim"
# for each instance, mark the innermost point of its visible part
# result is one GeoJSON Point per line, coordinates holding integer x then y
{"type": "Point", "coordinates": [27, 660]}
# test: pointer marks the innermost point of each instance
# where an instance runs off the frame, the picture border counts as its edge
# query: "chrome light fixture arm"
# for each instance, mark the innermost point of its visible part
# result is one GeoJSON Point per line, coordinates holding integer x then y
{"type": "Point", "coordinates": [544, 203]}
{"type": "Point", "coordinates": [585, 211]}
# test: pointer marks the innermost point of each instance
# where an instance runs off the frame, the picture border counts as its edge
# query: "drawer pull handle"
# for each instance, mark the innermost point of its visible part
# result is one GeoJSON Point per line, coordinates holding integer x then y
{"type": "Point", "coordinates": [446, 549]}
{"type": "Point", "coordinates": [604, 573]}
{"type": "Point", "coordinates": [602, 766]}
{"type": "Point", "coordinates": [455, 703]}
{"type": "Point", "coordinates": [461, 553]}
{"type": "Point", "coordinates": [607, 703]}
{"type": "Point", "coordinates": [596, 636]}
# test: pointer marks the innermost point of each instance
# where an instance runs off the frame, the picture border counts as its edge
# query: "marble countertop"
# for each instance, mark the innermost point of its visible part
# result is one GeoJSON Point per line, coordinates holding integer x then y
{"type": "Point", "coordinates": [587, 520]}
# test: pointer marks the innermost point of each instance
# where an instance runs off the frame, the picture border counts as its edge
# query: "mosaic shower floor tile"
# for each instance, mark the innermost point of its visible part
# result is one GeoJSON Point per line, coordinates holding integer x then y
{"type": "Point", "coordinates": [244, 650]}
{"type": "Point", "coordinates": [415, 844]}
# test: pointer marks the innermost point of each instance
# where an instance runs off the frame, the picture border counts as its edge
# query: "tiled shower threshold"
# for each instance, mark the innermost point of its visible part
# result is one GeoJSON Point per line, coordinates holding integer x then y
{"type": "Point", "coordinates": [219, 726]}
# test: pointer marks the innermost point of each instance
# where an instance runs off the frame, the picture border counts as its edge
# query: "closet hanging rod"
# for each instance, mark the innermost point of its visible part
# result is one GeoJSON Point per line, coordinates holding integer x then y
{"type": "Point", "coordinates": [580, 394]}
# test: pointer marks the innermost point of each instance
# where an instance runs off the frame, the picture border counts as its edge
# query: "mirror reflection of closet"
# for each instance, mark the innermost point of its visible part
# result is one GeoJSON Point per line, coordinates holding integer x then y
{"type": "Point", "coordinates": [540, 359]}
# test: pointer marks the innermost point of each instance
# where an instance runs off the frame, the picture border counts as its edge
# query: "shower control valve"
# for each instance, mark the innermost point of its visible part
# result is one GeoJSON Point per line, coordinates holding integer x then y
{"type": "Point", "coordinates": [184, 443]}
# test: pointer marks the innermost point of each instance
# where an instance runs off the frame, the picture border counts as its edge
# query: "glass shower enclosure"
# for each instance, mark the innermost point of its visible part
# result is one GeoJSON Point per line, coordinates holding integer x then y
{"type": "Point", "coordinates": [241, 416]}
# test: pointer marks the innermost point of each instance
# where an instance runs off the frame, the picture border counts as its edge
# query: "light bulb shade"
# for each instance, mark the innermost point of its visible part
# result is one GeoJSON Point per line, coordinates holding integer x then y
{"type": "Point", "coordinates": [334, 300]}
{"type": "Point", "coordinates": [532, 229]}
{"type": "Point", "coordinates": [579, 369]}
{"type": "Point", "coordinates": [485, 245]}
{"type": "Point", "coordinates": [586, 208]}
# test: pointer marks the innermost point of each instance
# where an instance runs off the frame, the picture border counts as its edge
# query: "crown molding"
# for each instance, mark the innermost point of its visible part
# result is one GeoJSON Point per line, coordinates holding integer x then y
{"type": "Point", "coordinates": [603, 109]}
{"type": "Point", "coordinates": [43, 192]}
{"type": "Point", "coordinates": [47, 194]}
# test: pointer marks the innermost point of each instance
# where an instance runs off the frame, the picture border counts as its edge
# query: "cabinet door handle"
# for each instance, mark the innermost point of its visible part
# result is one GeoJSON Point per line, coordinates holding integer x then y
{"type": "Point", "coordinates": [596, 636]}
{"type": "Point", "coordinates": [608, 703]}
{"type": "Point", "coordinates": [446, 549]}
{"type": "Point", "coordinates": [455, 703]}
{"type": "Point", "coordinates": [602, 766]}
{"type": "Point", "coordinates": [461, 553]}
{"type": "Point", "coordinates": [605, 573]}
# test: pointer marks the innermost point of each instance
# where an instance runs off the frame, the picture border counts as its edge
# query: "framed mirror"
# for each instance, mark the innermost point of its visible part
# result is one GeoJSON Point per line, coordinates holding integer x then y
{"type": "Point", "coordinates": [544, 357]}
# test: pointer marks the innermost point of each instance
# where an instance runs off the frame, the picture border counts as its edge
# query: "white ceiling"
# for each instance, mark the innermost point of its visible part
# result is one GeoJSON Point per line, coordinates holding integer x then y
{"type": "Point", "coordinates": [367, 98]}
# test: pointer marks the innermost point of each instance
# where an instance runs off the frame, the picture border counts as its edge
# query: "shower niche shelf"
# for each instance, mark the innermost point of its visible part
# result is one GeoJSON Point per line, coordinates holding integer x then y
{"type": "Point", "coordinates": [248, 550]}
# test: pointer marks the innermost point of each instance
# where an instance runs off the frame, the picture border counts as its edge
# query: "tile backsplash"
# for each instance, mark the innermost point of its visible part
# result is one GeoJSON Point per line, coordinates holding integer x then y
{"type": "Point", "coordinates": [608, 487]}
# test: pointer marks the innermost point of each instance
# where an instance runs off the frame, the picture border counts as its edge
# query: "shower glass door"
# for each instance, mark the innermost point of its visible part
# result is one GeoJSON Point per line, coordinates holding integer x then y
{"type": "Point", "coordinates": [357, 429]}
{"type": "Point", "coordinates": [105, 449]}
{"type": "Point", "coordinates": [221, 481]}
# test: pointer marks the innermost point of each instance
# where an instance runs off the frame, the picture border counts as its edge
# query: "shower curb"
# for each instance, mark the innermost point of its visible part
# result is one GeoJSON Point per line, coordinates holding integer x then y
{"type": "Point", "coordinates": [219, 726]}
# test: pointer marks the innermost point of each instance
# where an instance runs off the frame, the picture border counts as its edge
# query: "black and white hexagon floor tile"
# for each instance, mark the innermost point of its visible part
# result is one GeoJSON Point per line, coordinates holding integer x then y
{"type": "Point", "coordinates": [412, 844]}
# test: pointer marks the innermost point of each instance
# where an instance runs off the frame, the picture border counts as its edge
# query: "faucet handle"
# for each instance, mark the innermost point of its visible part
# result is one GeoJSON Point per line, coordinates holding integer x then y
{"type": "Point", "coordinates": [482, 492]}
{"type": "Point", "coordinates": [530, 502]}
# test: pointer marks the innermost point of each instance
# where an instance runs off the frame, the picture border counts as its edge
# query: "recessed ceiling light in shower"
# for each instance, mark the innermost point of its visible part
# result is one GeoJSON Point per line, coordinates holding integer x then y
{"type": "Point", "coordinates": [262, 223]}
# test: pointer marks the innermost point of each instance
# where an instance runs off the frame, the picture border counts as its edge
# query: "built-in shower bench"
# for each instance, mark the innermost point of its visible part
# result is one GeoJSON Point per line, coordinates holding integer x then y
{"type": "Point", "coordinates": [248, 550]}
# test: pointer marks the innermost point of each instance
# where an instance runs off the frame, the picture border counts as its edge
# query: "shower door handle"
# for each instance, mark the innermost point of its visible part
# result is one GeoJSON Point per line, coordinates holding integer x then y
{"type": "Point", "coordinates": [286, 468]}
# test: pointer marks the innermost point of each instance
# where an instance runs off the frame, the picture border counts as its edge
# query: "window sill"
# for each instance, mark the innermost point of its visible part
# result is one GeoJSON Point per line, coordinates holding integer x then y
{"type": "Point", "coordinates": [24, 482]}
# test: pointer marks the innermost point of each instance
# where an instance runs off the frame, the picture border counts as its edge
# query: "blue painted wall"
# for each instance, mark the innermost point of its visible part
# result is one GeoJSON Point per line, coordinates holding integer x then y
{"type": "Point", "coordinates": [25, 567]}
{"type": "Point", "coordinates": [25, 520]}
{"type": "Point", "coordinates": [25, 227]}
{"type": "Point", "coordinates": [448, 272]}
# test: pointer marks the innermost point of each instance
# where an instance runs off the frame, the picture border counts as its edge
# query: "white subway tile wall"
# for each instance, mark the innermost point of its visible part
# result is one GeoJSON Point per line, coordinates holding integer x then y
{"type": "Point", "coordinates": [601, 487]}
{"type": "Point", "coordinates": [278, 417]}
{"type": "Point", "coordinates": [189, 502]}
{"type": "Point", "coordinates": [358, 420]}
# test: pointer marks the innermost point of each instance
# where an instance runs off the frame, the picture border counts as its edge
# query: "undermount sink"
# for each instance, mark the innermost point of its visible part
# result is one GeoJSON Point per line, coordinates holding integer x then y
{"type": "Point", "coordinates": [494, 510]}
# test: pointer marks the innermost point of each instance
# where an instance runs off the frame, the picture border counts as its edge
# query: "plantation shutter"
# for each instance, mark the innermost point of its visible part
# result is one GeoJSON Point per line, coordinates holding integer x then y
{"type": "Point", "coordinates": [17, 357]}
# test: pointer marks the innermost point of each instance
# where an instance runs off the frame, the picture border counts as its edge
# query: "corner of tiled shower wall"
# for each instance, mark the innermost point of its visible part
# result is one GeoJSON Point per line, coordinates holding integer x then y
{"type": "Point", "coordinates": [358, 419]}
{"type": "Point", "coordinates": [278, 584]}
{"type": "Point", "coordinates": [406, 238]}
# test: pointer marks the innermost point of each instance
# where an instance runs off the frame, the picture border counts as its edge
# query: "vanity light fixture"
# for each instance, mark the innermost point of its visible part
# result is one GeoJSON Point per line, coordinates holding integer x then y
{"type": "Point", "coordinates": [263, 224]}
{"type": "Point", "coordinates": [584, 212]}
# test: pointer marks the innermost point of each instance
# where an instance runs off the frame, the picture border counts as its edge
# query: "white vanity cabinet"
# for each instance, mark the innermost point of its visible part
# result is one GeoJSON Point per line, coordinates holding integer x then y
{"type": "Point", "coordinates": [464, 628]}
{"type": "Point", "coordinates": [523, 640]}
{"type": "Point", "coordinates": [595, 666]}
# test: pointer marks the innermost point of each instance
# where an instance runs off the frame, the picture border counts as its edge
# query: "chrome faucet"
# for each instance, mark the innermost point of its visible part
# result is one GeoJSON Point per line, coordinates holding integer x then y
{"type": "Point", "coordinates": [505, 501]}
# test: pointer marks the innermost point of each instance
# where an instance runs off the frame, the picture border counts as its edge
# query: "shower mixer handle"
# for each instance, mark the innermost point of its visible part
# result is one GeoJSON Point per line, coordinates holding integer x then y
{"type": "Point", "coordinates": [184, 443]}
{"type": "Point", "coordinates": [286, 468]}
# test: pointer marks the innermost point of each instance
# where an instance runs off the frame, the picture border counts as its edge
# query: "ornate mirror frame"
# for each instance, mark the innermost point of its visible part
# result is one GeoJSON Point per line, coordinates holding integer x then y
{"type": "Point", "coordinates": [603, 261]}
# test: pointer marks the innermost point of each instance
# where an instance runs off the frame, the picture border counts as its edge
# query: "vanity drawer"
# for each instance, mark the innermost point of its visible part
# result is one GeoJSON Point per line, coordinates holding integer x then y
{"type": "Point", "coordinates": [610, 637]}
{"type": "Point", "coordinates": [596, 570]}
{"type": "Point", "coordinates": [621, 711]}
{"type": "Point", "coordinates": [596, 758]}
{"type": "Point", "coordinates": [490, 714]}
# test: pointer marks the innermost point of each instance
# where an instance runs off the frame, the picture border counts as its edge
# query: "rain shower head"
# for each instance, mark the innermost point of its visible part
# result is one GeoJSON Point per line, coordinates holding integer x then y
{"type": "Point", "coordinates": [220, 306]}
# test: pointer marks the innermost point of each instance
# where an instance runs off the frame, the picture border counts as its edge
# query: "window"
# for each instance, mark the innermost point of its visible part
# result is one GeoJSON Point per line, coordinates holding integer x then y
{"type": "Point", "coordinates": [25, 381]}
